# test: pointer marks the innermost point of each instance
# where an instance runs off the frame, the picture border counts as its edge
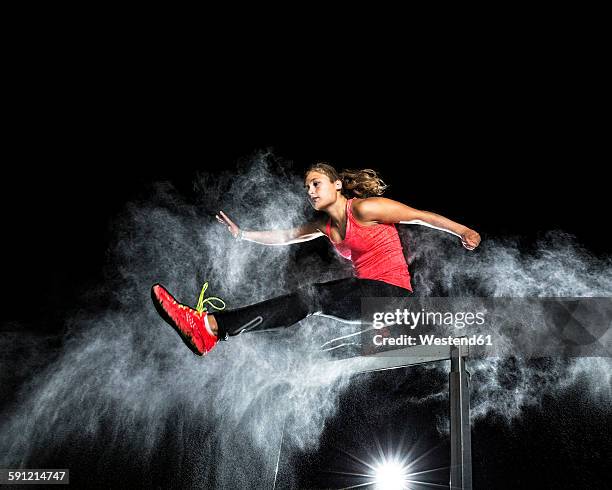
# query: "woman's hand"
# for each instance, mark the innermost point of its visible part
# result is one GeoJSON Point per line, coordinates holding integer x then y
{"type": "Point", "coordinates": [231, 226]}
{"type": "Point", "coordinates": [470, 239]}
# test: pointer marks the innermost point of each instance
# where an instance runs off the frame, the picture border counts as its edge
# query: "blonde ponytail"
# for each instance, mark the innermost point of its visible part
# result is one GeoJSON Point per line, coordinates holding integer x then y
{"type": "Point", "coordinates": [355, 183]}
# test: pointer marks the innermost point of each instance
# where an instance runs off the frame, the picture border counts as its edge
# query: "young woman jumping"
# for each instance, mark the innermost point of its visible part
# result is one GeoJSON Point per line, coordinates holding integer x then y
{"type": "Point", "coordinates": [358, 223]}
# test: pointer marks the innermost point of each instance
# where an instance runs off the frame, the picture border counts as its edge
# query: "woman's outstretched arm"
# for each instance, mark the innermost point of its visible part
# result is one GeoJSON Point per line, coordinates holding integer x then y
{"type": "Point", "coordinates": [383, 210]}
{"type": "Point", "coordinates": [303, 233]}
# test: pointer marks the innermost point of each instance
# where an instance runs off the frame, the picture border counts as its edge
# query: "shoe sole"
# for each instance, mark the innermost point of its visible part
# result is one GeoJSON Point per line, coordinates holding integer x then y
{"type": "Point", "coordinates": [168, 319]}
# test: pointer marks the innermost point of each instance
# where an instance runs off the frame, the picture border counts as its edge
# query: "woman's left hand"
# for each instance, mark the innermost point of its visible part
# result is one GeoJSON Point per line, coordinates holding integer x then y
{"type": "Point", "coordinates": [470, 239]}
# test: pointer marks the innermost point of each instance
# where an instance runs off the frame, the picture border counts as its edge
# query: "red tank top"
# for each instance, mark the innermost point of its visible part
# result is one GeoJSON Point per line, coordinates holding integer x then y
{"type": "Point", "coordinates": [376, 251]}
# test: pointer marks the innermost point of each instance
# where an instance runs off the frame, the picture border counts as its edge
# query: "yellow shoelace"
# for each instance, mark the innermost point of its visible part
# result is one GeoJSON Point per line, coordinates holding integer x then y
{"type": "Point", "coordinates": [201, 308]}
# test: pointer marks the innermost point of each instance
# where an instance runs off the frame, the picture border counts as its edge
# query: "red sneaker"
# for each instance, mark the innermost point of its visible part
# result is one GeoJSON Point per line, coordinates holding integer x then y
{"type": "Point", "coordinates": [192, 325]}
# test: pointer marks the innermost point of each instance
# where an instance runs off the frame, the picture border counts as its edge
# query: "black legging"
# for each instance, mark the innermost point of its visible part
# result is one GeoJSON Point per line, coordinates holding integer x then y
{"type": "Point", "coordinates": [340, 299]}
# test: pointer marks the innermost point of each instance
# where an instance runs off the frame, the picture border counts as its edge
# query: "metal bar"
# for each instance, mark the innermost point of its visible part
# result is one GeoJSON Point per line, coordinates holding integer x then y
{"type": "Point", "coordinates": [459, 396]}
{"type": "Point", "coordinates": [280, 448]}
{"type": "Point", "coordinates": [460, 432]}
{"type": "Point", "coordinates": [397, 358]}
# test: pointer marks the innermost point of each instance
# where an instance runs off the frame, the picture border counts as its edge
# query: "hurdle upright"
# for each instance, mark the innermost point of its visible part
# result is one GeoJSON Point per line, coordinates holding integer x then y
{"type": "Point", "coordinates": [459, 395]}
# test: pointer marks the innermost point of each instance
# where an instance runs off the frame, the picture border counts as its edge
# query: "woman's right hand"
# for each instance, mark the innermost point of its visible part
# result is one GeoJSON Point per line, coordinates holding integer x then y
{"type": "Point", "coordinates": [231, 226]}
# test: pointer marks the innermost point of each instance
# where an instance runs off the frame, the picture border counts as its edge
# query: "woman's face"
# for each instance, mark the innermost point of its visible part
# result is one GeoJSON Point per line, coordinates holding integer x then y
{"type": "Point", "coordinates": [322, 192]}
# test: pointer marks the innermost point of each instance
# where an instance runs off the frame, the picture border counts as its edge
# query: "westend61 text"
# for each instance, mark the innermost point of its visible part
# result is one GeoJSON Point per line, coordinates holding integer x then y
{"type": "Point", "coordinates": [409, 340]}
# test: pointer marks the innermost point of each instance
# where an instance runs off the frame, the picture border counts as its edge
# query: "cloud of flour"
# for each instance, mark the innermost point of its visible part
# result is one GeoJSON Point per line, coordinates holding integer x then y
{"type": "Point", "coordinates": [555, 266]}
{"type": "Point", "coordinates": [123, 373]}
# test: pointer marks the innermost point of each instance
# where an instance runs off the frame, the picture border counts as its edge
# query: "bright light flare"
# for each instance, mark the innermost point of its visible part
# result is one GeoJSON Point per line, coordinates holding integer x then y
{"type": "Point", "coordinates": [392, 468]}
{"type": "Point", "coordinates": [391, 475]}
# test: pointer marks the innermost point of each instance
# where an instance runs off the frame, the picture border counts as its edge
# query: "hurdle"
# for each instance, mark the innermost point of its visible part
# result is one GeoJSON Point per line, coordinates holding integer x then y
{"type": "Point", "coordinates": [459, 395]}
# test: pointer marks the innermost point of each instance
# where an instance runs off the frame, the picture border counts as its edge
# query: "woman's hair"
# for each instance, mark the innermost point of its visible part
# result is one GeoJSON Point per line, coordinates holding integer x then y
{"type": "Point", "coordinates": [355, 183]}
